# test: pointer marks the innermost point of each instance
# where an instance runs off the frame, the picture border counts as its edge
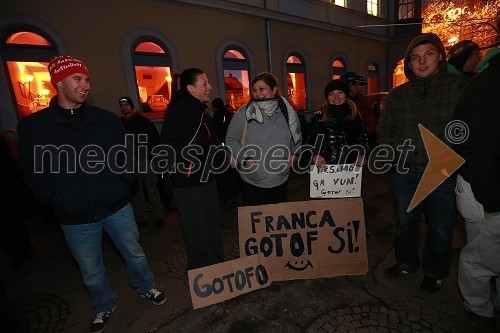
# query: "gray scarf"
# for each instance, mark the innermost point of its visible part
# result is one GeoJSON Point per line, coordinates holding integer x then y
{"type": "Point", "coordinates": [269, 106]}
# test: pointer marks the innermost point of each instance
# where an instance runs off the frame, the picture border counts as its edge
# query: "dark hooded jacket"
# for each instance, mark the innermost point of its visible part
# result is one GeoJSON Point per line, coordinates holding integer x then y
{"type": "Point", "coordinates": [190, 130]}
{"type": "Point", "coordinates": [479, 109]}
{"type": "Point", "coordinates": [430, 102]}
{"type": "Point", "coordinates": [137, 125]}
{"type": "Point", "coordinates": [87, 188]}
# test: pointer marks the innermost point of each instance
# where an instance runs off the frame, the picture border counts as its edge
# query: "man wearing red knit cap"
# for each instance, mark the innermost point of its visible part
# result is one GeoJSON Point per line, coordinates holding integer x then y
{"type": "Point", "coordinates": [63, 66]}
{"type": "Point", "coordinates": [63, 154]}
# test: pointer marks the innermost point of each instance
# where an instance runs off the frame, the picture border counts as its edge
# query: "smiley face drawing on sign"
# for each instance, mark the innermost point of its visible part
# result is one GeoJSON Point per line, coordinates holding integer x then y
{"type": "Point", "coordinates": [299, 265]}
{"type": "Point", "coordinates": [297, 249]}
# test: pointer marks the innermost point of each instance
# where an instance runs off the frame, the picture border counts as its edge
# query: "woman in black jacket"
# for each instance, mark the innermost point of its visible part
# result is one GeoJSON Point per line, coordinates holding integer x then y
{"type": "Point", "coordinates": [341, 126]}
{"type": "Point", "coordinates": [189, 129]}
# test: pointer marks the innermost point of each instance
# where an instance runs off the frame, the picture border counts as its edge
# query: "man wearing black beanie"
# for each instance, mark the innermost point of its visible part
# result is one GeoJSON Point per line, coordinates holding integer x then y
{"type": "Point", "coordinates": [464, 56]}
{"type": "Point", "coordinates": [138, 125]}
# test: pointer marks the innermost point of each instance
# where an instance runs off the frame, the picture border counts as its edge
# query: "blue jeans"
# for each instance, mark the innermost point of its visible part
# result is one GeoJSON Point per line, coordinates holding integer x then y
{"type": "Point", "coordinates": [85, 244]}
{"type": "Point", "coordinates": [439, 209]}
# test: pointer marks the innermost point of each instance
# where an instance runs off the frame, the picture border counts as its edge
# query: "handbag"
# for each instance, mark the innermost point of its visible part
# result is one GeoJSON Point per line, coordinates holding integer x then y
{"type": "Point", "coordinates": [232, 160]}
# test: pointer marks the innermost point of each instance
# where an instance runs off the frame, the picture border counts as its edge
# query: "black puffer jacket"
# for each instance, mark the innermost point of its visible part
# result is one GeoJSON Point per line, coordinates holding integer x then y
{"type": "Point", "coordinates": [343, 128]}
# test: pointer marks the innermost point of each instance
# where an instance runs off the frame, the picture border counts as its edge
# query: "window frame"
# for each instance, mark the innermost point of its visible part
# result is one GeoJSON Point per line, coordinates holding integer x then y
{"type": "Point", "coordinates": [128, 46]}
{"type": "Point", "coordinates": [224, 46]}
{"type": "Point", "coordinates": [370, 75]}
{"type": "Point", "coordinates": [235, 65]}
{"type": "Point", "coordinates": [370, 5]}
{"type": "Point", "coordinates": [149, 59]}
{"type": "Point", "coordinates": [23, 53]}
{"type": "Point", "coordinates": [408, 4]}
{"type": "Point", "coordinates": [295, 68]}
{"type": "Point", "coordinates": [344, 5]}
{"type": "Point", "coordinates": [342, 59]}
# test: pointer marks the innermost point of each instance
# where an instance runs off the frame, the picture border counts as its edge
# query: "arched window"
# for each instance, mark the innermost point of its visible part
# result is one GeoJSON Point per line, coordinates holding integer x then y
{"type": "Point", "coordinates": [154, 77]}
{"type": "Point", "coordinates": [338, 68]}
{"type": "Point", "coordinates": [27, 53]}
{"type": "Point", "coordinates": [296, 82]}
{"type": "Point", "coordinates": [398, 76]}
{"type": "Point", "coordinates": [373, 78]}
{"type": "Point", "coordinates": [236, 78]}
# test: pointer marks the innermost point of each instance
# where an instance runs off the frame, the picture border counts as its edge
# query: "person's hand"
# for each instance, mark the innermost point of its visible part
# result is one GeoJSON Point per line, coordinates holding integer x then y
{"type": "Point", "coordinates": [292, 159]}
{"type": "Point", "coordinates": [319, 161]}
{"type": "Point", "coordinates": [248, 163]}
{"type": "Point", "coordinates": [360, 161]}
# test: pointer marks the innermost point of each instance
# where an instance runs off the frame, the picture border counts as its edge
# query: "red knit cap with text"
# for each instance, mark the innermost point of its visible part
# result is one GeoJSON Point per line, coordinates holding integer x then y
{"type": "Point", "coordinates": [60, 67]}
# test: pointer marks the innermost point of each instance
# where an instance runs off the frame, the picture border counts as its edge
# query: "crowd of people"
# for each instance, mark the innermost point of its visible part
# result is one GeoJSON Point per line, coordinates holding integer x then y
{"type": "Point", "coordinates": [257, 145]}
{"type": "Point", "coordinates": [438, 92]}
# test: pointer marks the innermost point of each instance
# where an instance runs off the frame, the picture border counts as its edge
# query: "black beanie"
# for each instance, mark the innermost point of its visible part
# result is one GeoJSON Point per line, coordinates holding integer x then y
{"type": "Point", "coordinates": [218, 103]}
{"type": "Point", "coordinates": [335, 85]}
{"type": "Point", "coordinates": [126, 99]}
{"type": "Point", "coordinates": [460, 52]}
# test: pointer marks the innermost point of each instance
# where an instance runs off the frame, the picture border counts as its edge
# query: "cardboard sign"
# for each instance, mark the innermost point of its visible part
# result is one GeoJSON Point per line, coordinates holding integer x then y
{"type": "Point", "coordinates": [220, 282]}
{"type": "Point", "coordinates": [307, 239]}
{"type": "Point", "coordinates": [335, 181]}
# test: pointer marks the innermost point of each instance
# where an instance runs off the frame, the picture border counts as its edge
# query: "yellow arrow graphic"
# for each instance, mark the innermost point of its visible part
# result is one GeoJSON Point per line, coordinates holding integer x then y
{"type": "Point", "coordinates": [443, 162]}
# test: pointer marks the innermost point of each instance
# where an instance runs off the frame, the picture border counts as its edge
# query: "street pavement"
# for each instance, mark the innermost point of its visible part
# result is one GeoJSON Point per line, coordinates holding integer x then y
{"type": "Point", "coordinates": [46, 294]}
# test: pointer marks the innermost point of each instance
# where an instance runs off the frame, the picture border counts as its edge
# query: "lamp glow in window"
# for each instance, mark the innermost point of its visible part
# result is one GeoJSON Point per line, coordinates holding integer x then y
{"type": "Point", "coordinates": [32, 87]}
{"type": "Point", "coordinates": [296, 83]}
{"type": "Point", "coordinates": [338, 68]}
{"type": "Point", "coordinates": [373, 79]}
{"type": "Point", "coordinates": [29, 78]}
{"type": "Point", "coordinates": [372, 7]}
{"type": "Point", "coordinates": [399, 77]}
{"type": "Point", "coordinates": [154, 78]}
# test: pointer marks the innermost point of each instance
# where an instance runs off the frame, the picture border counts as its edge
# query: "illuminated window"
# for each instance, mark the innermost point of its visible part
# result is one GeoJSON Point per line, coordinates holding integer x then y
{"type": "Point", "coordinates": [373, 79]}
{"type": "Point", "coordinates": [296, 82]}
{"type": "Point", "coordinates": [338, 68]}
{"type": "Point", "coordinates": [406, 9]}
{"type": "Point", "coordinates": [372, 7]}
{"type": "Point", "coordinates": [398, 76]}
{"type": "Point", "coordinates": [338, 2]}
{"type": "Point", "coordinates": [236, 78]}
{"type": "Point", "coordinates": [154, 77]}
{"type": "Point", "coordinates": [27, 55]}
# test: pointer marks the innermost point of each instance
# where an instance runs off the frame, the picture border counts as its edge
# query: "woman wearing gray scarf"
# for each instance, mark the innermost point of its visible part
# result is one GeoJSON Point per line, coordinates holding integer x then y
{"type": "Point", "coordinates": [264, 137]}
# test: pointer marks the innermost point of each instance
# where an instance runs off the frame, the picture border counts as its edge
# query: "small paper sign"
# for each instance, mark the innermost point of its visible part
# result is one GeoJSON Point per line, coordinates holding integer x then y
{"type": "Point", "coordinates": [335, 181]}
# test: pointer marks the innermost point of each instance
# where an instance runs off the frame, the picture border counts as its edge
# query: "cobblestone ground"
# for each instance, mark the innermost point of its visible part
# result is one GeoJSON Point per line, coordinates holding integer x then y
{"type": "Point", "coordinates": [41, 313]}
{"type": "Point", "coordinates": [408, 315]}
{"type": "Point", "coordinates": [176, 257]}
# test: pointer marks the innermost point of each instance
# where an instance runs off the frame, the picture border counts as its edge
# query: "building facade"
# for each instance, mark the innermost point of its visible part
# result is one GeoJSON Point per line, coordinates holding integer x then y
{"type": "Point", "coordinates": [136, 47]}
